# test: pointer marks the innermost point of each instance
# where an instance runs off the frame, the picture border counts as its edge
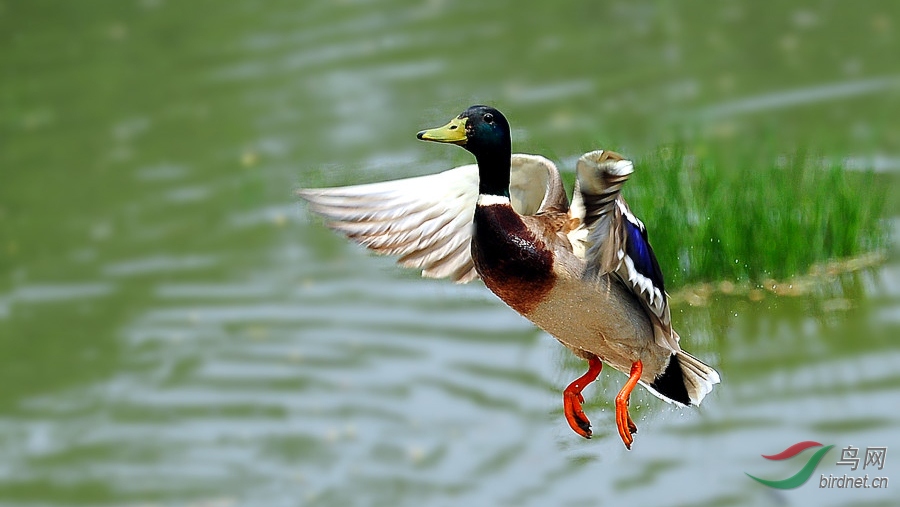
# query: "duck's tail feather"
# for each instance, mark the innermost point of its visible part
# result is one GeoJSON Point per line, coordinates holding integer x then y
{"type": "Point", "coordinates": [685, 381]}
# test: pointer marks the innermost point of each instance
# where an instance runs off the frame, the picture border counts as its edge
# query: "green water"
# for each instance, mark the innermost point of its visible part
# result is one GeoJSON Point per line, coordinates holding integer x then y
{"type": "Point", "coordinates": [176, 330]}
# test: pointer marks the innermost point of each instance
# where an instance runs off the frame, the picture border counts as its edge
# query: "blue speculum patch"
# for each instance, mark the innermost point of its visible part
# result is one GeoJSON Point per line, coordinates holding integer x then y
{"type": "Point", "coordinates": [638, 248]}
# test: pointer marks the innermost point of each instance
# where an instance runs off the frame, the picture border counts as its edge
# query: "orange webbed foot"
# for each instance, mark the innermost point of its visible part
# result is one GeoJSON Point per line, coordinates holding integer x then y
{"type": "Point", "coordinates": [572, 399]}
{"type": "Point", "coordinates": [624, 423]}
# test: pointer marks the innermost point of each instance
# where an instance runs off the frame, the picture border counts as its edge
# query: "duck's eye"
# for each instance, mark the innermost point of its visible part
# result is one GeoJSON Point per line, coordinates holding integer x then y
{"type": "Point", "coordinates": [489, 118]}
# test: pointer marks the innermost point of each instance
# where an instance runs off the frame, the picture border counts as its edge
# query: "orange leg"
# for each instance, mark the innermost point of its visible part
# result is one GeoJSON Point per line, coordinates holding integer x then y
{"type": "Point", "coordinates": [572, 398]}
{"type": "Point", "coordinates": [623, 420]}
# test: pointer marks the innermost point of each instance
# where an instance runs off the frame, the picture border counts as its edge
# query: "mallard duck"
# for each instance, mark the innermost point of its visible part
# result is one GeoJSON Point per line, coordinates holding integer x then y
{"type": "Point", "coordinates": [584, 273]}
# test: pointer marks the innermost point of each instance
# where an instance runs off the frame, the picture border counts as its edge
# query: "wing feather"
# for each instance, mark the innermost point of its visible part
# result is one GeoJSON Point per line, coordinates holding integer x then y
{"type": "Point", "coordinates": [614, 241]}
{"type": "Point", "coordinates": [427, 221]}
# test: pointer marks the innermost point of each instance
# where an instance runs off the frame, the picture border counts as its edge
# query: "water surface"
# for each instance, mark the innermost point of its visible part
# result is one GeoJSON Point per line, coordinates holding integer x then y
{"type": "Point", "coordinates": [176, 330]}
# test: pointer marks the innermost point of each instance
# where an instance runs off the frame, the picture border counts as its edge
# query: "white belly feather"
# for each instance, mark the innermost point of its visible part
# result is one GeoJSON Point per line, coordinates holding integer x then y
{"type": "Point", "coordinates": [603, 319]}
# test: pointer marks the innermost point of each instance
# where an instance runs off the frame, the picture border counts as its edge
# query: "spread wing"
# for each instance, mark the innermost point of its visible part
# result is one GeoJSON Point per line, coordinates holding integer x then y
{"type": "Point", "coordinates": [427, 221]}
{"type": "Point", "coordinates": [613, 240]}
{"type": "Point", "coordinates": [535, 185]}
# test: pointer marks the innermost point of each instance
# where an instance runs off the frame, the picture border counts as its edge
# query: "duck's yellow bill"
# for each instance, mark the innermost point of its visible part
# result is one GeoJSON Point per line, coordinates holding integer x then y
{"type": "Point", "coordinates": [453, 132]}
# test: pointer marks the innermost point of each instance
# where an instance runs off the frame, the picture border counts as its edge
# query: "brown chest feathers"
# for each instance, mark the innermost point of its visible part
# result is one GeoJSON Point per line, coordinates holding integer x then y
{"type": "Point", "coordinates": [514, 264]}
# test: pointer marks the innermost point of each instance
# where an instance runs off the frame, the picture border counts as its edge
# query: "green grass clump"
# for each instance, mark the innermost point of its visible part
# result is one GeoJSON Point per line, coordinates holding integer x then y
{"type": "Point", "coordinates": [748, 218]}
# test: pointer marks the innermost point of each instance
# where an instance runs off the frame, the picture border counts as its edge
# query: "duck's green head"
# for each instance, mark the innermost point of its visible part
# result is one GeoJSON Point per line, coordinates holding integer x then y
{"type": "Point", "coordinates": [484, 132]}
{"type": "Point", "coordinates": [480, 129]}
